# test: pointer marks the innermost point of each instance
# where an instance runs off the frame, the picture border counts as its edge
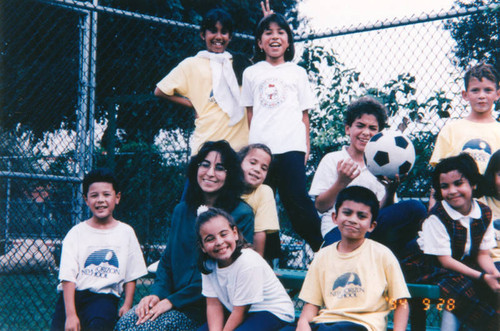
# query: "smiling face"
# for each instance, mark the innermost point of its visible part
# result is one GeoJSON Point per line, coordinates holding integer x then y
{"type": "Point", "coordinates": [102, 200]}
{"type": "Point", "coordinates": [481, 95]}
{"type": "Point", "coordinates": [361, 131]}
{"type": "Point", "coordinates": [218, 240]}
{"type": "Point", "coordinates": [457, 191]}
{"type": "Point", "coordinates": [216, 39]}
{"type": "Point", "coordinates": [274, 42]}
{"type": "Point", "coordinates": [354, 220]}
{"type": "Point", "coordinates": [211, 174]}
{"type": "Point", "coordinates": [255, 166]}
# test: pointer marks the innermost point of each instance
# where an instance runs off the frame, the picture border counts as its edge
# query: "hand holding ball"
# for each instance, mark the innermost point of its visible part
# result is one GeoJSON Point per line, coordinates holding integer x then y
{"type": "Point", "coordinates": [389, 153]}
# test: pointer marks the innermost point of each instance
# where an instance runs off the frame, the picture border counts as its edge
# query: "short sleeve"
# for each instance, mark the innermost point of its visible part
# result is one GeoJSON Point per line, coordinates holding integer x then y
{"type": "Point", "coordinates": [442, 147]}
{"type": "Point", "coordinates": [325, 176]}
{"type": "Point", "coordinates": [206, 287]}
{"type": "Point", "coordinates": [136, 267]}
{"type": "Point", "coordinates": [175, 81]}
{"type": "Point", "coordinates": [266, 214]}
{"type": "Point", "coordinates": [246, 99]}
{"type": "Point", "coordinates": [489, 240]}
{"type": "Point", "coordinates": [69, 267]}
{"type": "Point", "coordinates": [434, 239]}
{"type": "Point", "coordinates": [307, 99]}
{"type": "Point", "coordinates": [396, 284]}
{"type": "Point", "coordinates": [311, 289]}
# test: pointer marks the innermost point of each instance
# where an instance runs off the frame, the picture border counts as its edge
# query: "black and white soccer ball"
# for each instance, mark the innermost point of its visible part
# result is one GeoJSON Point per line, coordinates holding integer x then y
{"type": "Point", "coordinates": [389, 153]}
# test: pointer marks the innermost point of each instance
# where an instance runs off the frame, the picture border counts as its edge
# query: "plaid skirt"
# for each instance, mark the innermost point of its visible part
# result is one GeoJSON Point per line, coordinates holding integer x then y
{"type": "Point", "coordinates": [472, 301]}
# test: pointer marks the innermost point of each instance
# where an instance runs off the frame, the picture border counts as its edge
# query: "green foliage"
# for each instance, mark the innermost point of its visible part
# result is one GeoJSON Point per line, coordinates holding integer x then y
{"type": "Point", "coordinates": [336, 86]}
{"type": "Point", "coordinates": [150, 185]}
{"type": "Point", "coordinates": [477, 36]}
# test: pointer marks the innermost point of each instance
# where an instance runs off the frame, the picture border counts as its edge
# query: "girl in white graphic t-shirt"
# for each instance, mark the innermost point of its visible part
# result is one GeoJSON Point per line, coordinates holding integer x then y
{"type": "Point", "coordinates": [277, 95]}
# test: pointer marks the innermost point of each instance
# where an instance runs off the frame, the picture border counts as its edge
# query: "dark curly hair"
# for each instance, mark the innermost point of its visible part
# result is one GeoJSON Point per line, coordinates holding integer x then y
{"type": "Point", "coordinates": [493, 167]}
{"type": "Point", "coordinates": [263, 25]}
{"type": "Point", "coordinates": [464, 164]}
{"type": "Point", "coordinates": [204, 218]}
{"type": "Point", "coordinates": [229, 195]}
{"type": "Point", "coordinates": [366, 105]}
{"type": "Point", "coordinates": [99, 175]}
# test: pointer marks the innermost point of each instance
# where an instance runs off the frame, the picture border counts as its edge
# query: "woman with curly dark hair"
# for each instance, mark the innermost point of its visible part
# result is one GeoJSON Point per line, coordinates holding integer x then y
{"type": "Point", "coordinates": [215, 180]}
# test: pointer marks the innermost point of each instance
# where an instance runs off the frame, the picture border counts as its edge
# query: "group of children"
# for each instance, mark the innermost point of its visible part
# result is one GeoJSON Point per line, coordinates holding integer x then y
{"type": "Point", "coordinates": [354, 282]}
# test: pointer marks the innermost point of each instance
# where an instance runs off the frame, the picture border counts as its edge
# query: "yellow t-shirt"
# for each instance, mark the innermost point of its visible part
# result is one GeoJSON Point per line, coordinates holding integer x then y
{"type": "Point", "coordinates": [479, 140]}
{"type": "Point", "coordinates": [192, 79]}
{"type": "Point", "coordinates": [359, 286]}
{"type": "Point", "coordinates": [494, 205]}
{"type": "Point", "coordinates": [264, 207]}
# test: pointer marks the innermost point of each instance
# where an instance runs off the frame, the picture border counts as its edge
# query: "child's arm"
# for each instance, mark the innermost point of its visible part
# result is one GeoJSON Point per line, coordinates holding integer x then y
{"type": "Point", "coordinates": [259, 242]}
{"type": "Point", "coordinates": [174, 98]}
{"type": "Point", "coordinates": [401, 314]}
{"type": "Point", "coordinates": [249, 115]}
{"type": "Point", "coordinates": [309, 311]}
{"type": "Point", "coordinates": [215, 314]}
{"type": "Point", "coordinates": [72, 320]}
{"type": "Point", "coordinates": [492, 276]}
{"type": "Point", "coordinates": [129, 289]}
{"type": "Point", "coordinates": [305, 119]}
{"type": "Point", "coordinates": [347, 170]}
{"type": "Point", "coordinates": [236, 317]}
{"type": "Point", "coordinates": [492, 280]}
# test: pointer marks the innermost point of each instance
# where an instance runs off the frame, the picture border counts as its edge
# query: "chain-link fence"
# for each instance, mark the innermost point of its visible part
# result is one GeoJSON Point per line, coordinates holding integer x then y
{"type": "Point", "coordinates": [76, 84]}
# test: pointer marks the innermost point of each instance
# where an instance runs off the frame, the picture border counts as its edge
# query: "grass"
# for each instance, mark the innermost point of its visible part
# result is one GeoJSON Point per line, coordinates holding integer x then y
{"type": "Point", "coordinates": [27, 301]}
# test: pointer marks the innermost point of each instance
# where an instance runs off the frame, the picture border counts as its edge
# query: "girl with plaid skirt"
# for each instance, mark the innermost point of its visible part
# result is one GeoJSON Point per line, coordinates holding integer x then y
{"type": "Point", "coordinates": [452, 249]}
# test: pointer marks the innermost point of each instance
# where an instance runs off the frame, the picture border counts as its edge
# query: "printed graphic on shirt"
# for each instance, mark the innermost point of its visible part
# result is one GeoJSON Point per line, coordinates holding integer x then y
{"type": "Point", "coordinates": [101, 264]}
{"type": "Point", "coordinates": [347, 285]}
{"type": "Point", "coordinates": [212, 97]}
{"type": "Point", "coordinates": [272, 93]}
{"type": "Point", "coordinates": [479, 149]}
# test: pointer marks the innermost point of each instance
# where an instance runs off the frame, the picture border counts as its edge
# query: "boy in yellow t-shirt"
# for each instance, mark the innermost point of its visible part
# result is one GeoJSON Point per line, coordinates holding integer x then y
{"type": "Point", "coordinates": [478, 134]}
{"type": "Point", "coordinates": [357, 280]}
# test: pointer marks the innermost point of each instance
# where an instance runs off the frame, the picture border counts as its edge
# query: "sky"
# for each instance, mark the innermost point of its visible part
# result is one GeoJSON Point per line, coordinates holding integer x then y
{"type": "Point", "coordinates": [339, 13]}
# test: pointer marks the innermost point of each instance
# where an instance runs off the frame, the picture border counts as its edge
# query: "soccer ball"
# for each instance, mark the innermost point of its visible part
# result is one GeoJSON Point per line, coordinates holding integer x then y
{"type": "Point", "coordinates": [389, 153]}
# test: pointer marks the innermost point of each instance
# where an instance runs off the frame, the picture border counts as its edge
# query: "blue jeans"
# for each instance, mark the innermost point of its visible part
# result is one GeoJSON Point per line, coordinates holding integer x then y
{"type": "Point", "coordinates": [96, 311]}
{"type": "Point", "coordinates": [337, 326]}
{"type": "Point", "coordinates": [260, 320]}
{"type": "Point", "coordinates": [287, 176]}
{"type": "Point", "coordinates": [397, 225]}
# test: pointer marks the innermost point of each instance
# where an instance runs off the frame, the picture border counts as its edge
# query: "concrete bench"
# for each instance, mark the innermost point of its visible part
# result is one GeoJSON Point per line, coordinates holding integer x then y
{"type": "Point", "coordinates": [293, 279]}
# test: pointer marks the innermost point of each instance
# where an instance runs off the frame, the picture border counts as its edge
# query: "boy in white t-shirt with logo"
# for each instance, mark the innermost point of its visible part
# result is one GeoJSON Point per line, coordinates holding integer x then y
{"type": "Point", "coordinates": [101, 258]}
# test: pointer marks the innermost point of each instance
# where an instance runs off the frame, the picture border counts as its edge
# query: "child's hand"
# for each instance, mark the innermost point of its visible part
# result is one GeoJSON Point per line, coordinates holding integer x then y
{"type": "Point", "coordinates": [72, 323]}
{"type": "Point", "coordinates": [347, 170]}
{"type": "Point", "coordinates": [391, 185]}
{"type": "Point", "coordinates": [266, 9]}
{"type": "Point", "coordinates": [493, 281]}
{"type": "Point", "coordinates": [125, 308]}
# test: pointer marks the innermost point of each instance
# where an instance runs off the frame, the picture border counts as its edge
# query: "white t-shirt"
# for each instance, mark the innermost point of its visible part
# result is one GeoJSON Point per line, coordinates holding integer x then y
{"type": "Point", "coordinates": [278, 94]}
{"type": "Point", "coordinates": [434, 239]}
{"type": "Point", "coordinates": [326, 175]}
{"type": "Point", "coordinates": [248, 281]}
{"type": "Point", "coordinates": [101, 260]}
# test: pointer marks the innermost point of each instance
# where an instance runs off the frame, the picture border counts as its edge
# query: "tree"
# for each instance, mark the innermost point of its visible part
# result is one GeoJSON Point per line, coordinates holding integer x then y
{"type": "Point", "coordinates": [478, 35]}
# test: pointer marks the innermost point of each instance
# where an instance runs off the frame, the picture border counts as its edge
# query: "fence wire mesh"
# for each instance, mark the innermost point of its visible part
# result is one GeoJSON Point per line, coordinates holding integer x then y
{"type": "Point", "coordinates": [76, 84]}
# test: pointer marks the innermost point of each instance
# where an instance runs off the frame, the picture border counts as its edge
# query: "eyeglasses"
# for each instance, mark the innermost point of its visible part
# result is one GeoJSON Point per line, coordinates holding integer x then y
{"type": "Point", "coordinates": [205, 165]}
